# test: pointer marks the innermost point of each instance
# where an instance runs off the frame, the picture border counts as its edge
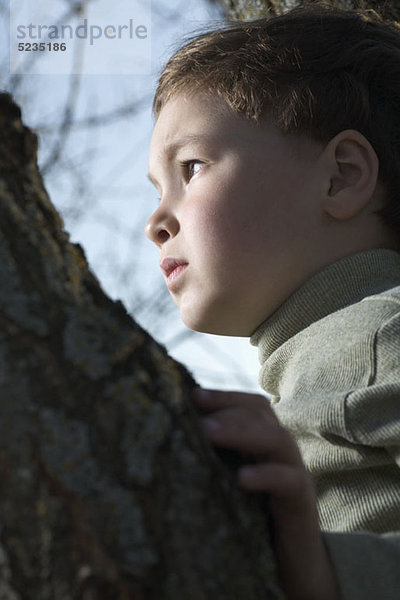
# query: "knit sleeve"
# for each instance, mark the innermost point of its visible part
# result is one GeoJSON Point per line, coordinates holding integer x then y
{"type": "Point", "coordinates": [373, 412]}
{"type": "Point", "coordinates": [367, 565]}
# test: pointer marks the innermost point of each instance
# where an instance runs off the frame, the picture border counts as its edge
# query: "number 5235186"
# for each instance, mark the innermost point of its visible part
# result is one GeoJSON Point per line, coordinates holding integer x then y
{"type": "Point", "coordinates": [41, 47]}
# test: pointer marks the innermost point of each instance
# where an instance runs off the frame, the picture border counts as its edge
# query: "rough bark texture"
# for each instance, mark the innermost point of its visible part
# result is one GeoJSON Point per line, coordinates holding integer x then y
{"type": "Point", "coordinates": [254, 9]}
{"type": "Point", "coordinates": [108, 488]}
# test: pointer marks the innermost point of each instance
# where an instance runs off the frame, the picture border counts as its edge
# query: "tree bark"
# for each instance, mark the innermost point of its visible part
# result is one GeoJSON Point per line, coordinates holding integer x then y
{"type": "Point", "coordinates": [108, 489]}
{"type": "Point", "coordinates": [254, 9]}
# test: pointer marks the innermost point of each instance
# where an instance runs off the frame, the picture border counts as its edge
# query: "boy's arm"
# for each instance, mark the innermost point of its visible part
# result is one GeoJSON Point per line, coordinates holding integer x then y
{"type": "Point", "coordinates": [367, 564]}
{"type": "Point", "coordinates": [246, 422]}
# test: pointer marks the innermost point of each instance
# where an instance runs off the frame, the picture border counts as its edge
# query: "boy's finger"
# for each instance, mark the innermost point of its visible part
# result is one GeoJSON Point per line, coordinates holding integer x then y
{"type": "Point", "coordinates": [252, 431]}
{"type": "Point", "coordinates": [218, 399]}
{"type": "Point", "coordinates": [280, 480]}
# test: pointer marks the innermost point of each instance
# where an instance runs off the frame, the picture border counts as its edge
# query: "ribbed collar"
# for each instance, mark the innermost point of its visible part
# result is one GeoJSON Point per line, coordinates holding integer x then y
{"type": "Point", "coordinates": [340, 284]}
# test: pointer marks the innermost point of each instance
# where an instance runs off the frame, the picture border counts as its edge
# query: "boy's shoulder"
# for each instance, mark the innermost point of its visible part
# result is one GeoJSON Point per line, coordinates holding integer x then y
{"type": "Point", "coordinates": [354, 335]}
{"type": "Point", "coordinates": [385, 307]}
{"type": "Point", "coordinates": [336, 328]}
{"type": "Point", "coordinates": [360, 323]}
{"type": "Point", "coordinates": [342, 352]}
{"type": "Point", "coordinates": [362, 339]}
{"type": "Point", "coordinates": [389, 297]}
{"type": "Point", "coordinates": [365, 315]}
{"type": "Point", "coordinates": [380, 313]}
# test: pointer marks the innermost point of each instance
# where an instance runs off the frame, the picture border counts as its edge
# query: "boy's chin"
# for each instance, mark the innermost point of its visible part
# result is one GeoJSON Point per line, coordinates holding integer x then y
{"type": "Point", "coordinates": [215, 327]}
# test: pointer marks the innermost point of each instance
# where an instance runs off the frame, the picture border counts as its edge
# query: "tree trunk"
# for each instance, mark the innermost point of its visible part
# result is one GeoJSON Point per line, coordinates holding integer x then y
{"type": "Point", "coordinates": [108, 488]}
{"type": "Point", "coordinates": [254, 9]}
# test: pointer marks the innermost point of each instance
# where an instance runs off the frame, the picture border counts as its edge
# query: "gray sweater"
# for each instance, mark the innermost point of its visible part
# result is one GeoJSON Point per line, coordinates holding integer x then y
{"type": "Point", "coordinates": [330, 359]}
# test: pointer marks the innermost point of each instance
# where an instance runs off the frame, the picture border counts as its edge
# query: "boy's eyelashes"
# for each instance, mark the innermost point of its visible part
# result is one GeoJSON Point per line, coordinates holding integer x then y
{"type": "Point", "coordinates": [188, 167]}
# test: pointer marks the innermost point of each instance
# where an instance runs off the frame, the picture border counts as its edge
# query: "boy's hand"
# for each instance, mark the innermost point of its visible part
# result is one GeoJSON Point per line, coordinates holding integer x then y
{"type": "Point", "coordinates": [247, 423]}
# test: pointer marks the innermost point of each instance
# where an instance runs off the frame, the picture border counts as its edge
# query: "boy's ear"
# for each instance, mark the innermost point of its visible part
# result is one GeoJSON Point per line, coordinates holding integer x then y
{"type": "Point", "coordinates": [352, 167]}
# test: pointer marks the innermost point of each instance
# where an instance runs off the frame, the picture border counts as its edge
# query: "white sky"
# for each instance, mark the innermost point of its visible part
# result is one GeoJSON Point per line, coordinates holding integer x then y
{"type": "Point", "coordinates": [116, 166]}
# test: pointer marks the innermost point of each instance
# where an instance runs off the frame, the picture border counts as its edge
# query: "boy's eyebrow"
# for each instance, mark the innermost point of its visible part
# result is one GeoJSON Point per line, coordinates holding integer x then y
{"type": "Point", "coordinates": [171, 149]}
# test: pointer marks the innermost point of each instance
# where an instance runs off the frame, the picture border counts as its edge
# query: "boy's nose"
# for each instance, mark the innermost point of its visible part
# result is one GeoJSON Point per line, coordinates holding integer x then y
{"type": "Point", "coordinates": [161, 227]}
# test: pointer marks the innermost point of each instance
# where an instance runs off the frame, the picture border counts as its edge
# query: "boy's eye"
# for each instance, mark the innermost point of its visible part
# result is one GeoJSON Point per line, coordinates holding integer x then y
{"type": "Point", "coordinates": [191, 167]}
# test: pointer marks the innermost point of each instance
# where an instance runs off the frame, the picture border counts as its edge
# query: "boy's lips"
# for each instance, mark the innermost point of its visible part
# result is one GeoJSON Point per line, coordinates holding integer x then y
{"type": "Point", "coordinates": [172, 268]}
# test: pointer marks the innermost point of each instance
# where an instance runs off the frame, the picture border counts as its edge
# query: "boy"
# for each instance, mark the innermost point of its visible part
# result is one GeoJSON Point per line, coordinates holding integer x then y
{"type": "Point", "coordinates": [276, 153]}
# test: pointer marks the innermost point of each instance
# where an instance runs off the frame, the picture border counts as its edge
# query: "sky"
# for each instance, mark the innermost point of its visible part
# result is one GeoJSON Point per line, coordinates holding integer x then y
{"type": "Point", "coordinates": [101, 187]}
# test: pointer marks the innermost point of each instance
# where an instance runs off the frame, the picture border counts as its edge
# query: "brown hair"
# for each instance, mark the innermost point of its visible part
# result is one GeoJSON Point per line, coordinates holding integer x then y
{"type": "Point", "coordinates": [315, 70]}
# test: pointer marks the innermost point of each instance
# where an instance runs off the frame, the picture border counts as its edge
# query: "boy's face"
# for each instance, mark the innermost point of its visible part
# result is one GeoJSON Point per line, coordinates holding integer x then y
{"type": "Point", "coordinates": [242, 216]}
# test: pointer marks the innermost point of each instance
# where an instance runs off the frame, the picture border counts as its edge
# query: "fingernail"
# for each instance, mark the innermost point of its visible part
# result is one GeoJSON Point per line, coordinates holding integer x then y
{"type": "Point", "coordinates": [210, 425]}
{"type": "Point", "coordinates": [247, 474]}
{"type": "Point", "coordinates": [200, 394]}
